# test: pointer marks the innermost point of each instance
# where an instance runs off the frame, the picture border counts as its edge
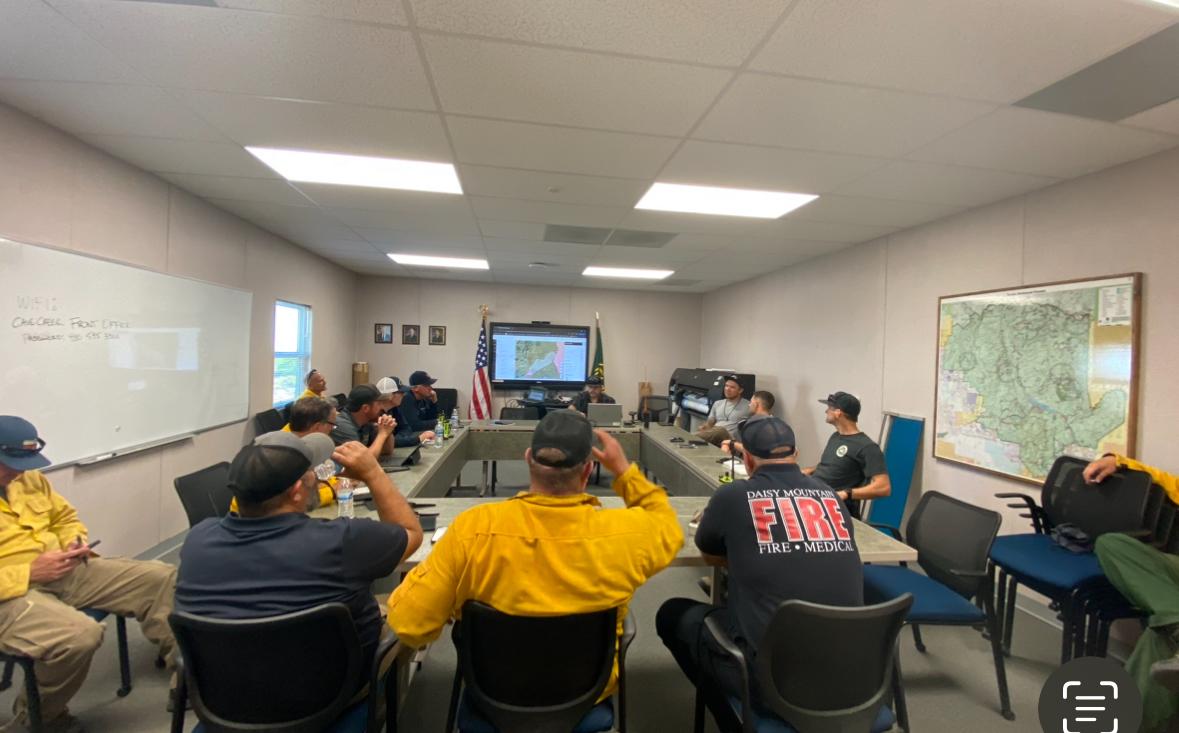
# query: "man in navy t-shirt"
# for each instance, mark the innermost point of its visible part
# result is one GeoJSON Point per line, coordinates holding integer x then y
{"type": "Point", "coordinates": [272, 558]}
{"type": "Point", "coordinates": [784, 536]}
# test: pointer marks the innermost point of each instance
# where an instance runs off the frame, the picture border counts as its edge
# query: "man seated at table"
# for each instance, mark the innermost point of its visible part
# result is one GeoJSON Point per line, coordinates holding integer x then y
{"type": "Point", "coordinates": [271, 558]}
{"type": "Point", "coordinates": [593, 393]}
{"type": "Point", "coordinates": [313, 415]}
{"type": "Point", "coordinates": [724, 414]}
{"type": "Point", "coordinates": [782, 535]}
{"type": "Point", "coordinates": [852, 463]}
{"type": "Point", "coordinates": [391, 397]}
{"type": "Point", "coordinates": [364, 420]}
{"type": "Point", "coordinates": [419, 409]}
{"type": "Point", "coordinates": [316, 384]}
{"type": "Point", "coordinates": [1150, 580]}
{"type": "Point", "coordinates": [47, 573]}
{"type": "Point", "coordinates": [549, 550]}
{"type": "Point", "coordinates": [761, 404]}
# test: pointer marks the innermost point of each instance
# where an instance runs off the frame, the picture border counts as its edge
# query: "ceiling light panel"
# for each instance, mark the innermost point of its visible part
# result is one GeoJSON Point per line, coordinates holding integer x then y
{"type": "Point", "coordinates": [722, 201]}
{"type": "Point", "coordinates": [627, 272]}
{"type": "Point", "coordinates": [360, 170]}
{"type": "Point", "coordinates": [430, 261]}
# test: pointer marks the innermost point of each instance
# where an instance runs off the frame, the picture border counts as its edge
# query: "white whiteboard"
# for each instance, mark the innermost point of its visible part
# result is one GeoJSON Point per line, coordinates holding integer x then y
{"type": "Point", "coordinates": [104, 357]}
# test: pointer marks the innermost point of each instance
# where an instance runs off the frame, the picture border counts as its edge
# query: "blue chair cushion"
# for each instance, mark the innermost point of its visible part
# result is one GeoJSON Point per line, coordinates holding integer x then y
{"type": "Point", "coordinates": [352, 720]}
{"type": "Point", "coordinates": [1042, 565]}
{"type": "Point", "coordinates": [599, 718]}
{"type": "Point", "coordinates": [766, 722]}
{"type": "Point", "coordinates": [933, 602]}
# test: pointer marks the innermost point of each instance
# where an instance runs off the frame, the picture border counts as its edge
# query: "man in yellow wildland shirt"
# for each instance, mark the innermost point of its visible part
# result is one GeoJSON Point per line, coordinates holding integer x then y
{"type": "Point", "coordinates": [1150, 580]}
{"type": "Point", "coordinates": [550, 550]}
{"type": "Point", "coordinates": [48, 572]}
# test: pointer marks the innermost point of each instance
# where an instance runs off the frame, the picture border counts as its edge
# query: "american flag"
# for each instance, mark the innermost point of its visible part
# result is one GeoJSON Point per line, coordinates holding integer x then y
{"type": "Point", "coordinates": [480, 408]}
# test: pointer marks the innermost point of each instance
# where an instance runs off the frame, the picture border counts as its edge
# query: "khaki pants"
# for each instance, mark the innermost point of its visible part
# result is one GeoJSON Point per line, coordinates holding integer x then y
{"type": "Point", "coordinates": [715, 434]}
{"type": "Point", "coordinates": [45, 625]}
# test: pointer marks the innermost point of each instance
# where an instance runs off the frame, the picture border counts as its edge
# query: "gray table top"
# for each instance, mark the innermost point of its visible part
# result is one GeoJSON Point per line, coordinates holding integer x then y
{"type": "Point", "coordinates": [874, 545]}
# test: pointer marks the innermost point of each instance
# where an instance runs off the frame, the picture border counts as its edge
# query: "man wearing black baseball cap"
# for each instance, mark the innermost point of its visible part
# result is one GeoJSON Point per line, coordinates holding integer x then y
{"type": "Point", "coordinates": [784, 536]}
{"type": "Point", "coordinates": [419, 409]}
{"type": "Point", "coordinates": [852, 463]}
{"type": "Point", "coordinates": [47, 572]}
{"type": "Point", "coordinates": [271, 558]}
{"type": "Point", "coordinates": [594, 392]}
{"type": "Point", "coordinates": [363, 419]}
{"type": "Point", "coordinates": [550, 550]}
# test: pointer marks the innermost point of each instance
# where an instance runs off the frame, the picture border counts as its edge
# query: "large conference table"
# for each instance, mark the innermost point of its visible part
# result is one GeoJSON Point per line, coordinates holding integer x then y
{"type": "Point", "coordinates": [690, 476]}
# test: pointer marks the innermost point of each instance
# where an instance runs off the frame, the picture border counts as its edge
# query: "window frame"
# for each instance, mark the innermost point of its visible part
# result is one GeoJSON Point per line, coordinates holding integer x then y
{"type": "Point", "coordinates": [303, 352]}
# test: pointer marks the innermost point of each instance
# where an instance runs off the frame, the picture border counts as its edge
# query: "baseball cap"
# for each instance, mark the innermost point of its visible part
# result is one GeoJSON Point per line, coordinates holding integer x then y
{"type": "Point", "coordinates": [419, 378]}
{"type": "Point", "coordinates": [766, 436]}
{"type": "Point", "coordinates": [594, 381]}
{"type": "Point", "coordinates": [567, 431]}
{"type": "Point", "coordinates": [274, 462]}
{"type": "Point", "coordinates": [387, 386]}
{"type": "Point", "coordinates": [20, 447]}
{"type": "Point", "coordinates": [845, 402]}
{"type": "Point", "coordinates": [361, 395]}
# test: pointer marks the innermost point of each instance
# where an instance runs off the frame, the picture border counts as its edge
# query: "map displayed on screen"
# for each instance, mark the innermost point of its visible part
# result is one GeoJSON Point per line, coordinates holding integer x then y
{"type": "Point", "coordinates": [526, 353]}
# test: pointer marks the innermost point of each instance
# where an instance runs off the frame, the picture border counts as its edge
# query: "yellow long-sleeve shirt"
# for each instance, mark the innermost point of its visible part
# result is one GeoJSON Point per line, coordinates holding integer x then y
{"type": "Point", "coordinates": [537, 555]}
{"type": "Point", "coordinates": [1169, 482]}
{"type": "Point", "coordinates": [33, 519]}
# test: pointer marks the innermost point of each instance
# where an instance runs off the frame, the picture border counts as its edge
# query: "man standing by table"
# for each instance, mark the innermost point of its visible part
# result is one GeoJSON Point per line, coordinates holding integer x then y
{"type": "Point", "coordinates": [852, 463]}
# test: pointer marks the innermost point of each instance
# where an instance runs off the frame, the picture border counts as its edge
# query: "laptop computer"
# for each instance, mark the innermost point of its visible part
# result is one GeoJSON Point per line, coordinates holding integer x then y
{"type": "Point", "coordinates": [604, 416]}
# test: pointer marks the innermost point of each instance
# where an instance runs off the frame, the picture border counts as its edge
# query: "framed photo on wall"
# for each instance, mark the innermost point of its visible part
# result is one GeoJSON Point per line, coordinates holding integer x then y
{"type": "Point", "coordinates": [383, 333]}
{"type": "Point", "coordinates": [438, 335]}
{"type": "Point", "coordinates": [411, 334]}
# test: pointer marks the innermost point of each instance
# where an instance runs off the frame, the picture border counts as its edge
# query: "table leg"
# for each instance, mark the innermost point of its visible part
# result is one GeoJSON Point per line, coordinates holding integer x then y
{"type": "Point", "coordinates": [483, 480]}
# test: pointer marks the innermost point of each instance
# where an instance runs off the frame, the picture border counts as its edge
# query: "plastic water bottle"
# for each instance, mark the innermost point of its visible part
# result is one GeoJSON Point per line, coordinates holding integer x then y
{"type": "Point", "coordinates": [439, 432]}
{"type": "Point", "coordinates": [454, 419]}
{"type": "Point", "coordinates": [345, 507]}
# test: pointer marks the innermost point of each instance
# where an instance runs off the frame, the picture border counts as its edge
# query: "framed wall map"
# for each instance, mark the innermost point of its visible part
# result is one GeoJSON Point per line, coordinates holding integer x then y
{"type": "Point", "coordinates": [1028, 374]}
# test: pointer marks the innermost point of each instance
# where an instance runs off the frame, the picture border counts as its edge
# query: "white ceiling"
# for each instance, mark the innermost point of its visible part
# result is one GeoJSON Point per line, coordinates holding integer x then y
{"type": "Point", "coordinates": [564, 112]}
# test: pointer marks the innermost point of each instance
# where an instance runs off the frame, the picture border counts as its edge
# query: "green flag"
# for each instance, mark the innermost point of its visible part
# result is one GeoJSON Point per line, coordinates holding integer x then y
{"type": "Point", "coordinates": [599, 367]}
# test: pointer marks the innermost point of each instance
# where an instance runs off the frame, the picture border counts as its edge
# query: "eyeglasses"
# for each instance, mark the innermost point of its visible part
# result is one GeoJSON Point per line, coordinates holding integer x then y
{"type": "Point", "coordinates": [28, 447]}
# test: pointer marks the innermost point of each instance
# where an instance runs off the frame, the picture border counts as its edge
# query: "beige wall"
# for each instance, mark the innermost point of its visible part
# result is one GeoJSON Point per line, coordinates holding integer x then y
{"type": "Point", "coordinates": [644, 335]}
{"type": "Point", "coordinates": [864, 319]}
{"type": "Point", "coordinates": [56, 190]}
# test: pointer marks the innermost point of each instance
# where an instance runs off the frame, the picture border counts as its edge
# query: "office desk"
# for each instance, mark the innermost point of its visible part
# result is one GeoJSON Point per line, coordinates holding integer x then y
{"type": "Point", "coordinates": [874, 545]}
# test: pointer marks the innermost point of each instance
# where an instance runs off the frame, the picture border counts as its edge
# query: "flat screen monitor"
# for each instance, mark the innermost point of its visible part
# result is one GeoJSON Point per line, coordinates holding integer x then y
{"type": "Point", "coordinates": [528, 354]}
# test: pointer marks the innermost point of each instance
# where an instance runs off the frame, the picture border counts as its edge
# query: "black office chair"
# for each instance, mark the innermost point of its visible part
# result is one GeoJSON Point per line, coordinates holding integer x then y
{"type": "Point", "coordinates": [342, 399]}
{"type": "Point", "coordinates": [658, 408]}
{"type": "Point", "coordinates": [819, 669]}
{"type": "Point", "coordinates": [952, 539]}
{"type": "Point", "coordinates": [447, 400]}
{"type": "Point", "coordinates": [205, 493]}
{"type": "Point", "coordinates": [268, 421]}
{"type": "Point", "coordinates": [541, 674]}
{"type": "Point", "coordinates": [512, 413]}
{"type": "Point", "coordinates": [294, 673]}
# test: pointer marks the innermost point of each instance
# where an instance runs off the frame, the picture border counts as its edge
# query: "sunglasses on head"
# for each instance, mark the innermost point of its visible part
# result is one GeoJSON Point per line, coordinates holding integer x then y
{"type": "Point", "coordinates": [29, 447]}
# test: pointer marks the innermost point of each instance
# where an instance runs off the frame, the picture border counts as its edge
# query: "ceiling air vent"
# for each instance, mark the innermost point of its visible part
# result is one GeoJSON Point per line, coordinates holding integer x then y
{"type": "Point", "coordinates": [575, 235]}
{"type": "Point", "coordinates": [638, 238]}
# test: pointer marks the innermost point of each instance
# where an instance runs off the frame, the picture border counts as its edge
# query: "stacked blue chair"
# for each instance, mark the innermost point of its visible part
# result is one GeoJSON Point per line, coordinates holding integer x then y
{"type": "Point", "coordinates": [1073, 581]}
{"type": "Point", "coordinates": [952, 539]}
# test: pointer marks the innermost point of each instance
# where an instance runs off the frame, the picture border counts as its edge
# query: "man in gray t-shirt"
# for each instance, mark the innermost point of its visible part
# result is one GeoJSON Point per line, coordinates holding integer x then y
{"type": "Point", "coordinates": [724, 414]}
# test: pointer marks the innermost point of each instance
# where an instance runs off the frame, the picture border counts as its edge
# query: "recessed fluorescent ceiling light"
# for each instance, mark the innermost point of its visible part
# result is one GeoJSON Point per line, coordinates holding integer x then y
{"type": "Point", "coordinates": [627, 272]}
{"type": "Point", "coordinates": [723, 201]}
{"type": "Point", "coordinates": [359, 170]}
{"type": "Point", "coordinates": [1169, 3]}
{"type": "Point", "coordinates": [428, 261]}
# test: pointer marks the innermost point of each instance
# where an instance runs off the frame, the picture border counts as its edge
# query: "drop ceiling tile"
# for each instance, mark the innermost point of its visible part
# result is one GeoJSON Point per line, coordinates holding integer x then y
{"type": "Point", "coordinates": [427, 219]}
{"type": "Point", "coordinates": [512, 229]}
{"type": "Point", "coordinates": [721, 32]}
{"type": "Point", "coordinates": [665, 221]}
{"type": "Point", "coordinates": [182, 156]}
{"type": "Point", "coordinates": [568, 87]}
{"type": "Point", "coordinates": [777, 169]}
{"type": "Point", "coordinates": [873, 211]}
{"type": "Point", "coordinates": [263, 190]}
{"type": "Point", "coordinates": [344, 248]}
{"type": "Point", "coordinates": [529, 277]}
{"type": "Point", "coordinates": [296, 223]}
{"type": "Point", "coordinates": [386, 200]}
{"type": "Point", "coordinates": [544, 147]}
{"type": "Point", "coordinates": [25, 33]}
{"type": "Point", "coordinates": [654, 258]}
{"type": "Point", "coordinates": [822, 231]}
{"type": "Point", "coordinates": [548, 213]}
{"type": "Point", "coordinates": [1043, 143]}
{"type": "Point", "coordinates": [339, 128]}
{"type": "Point", "coordinates": [265, 54]}
{"type": "Point", "coordinates": [943, 184]}
{"type": "Point", "coordinates": [525, 249]}
{"type": "Point", "coordinates": [444, 273]}
{"type": "Point", "coordinates": [385, 238]}
{"type": "Point", "coordinates": [813, 115]}
{"type": "Point", "coordinates": [1163, 118]}
{"type": "Point", "coordinates": [368, 11]}
{"type": "Point", "coordinates": [553, 187]}
{"type": "Point", "coordinates": [466, 252]}
{"type": "Point", "coordinates": [1000, 51]}
{"type": "Point", "coordinates": [107, 109]}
